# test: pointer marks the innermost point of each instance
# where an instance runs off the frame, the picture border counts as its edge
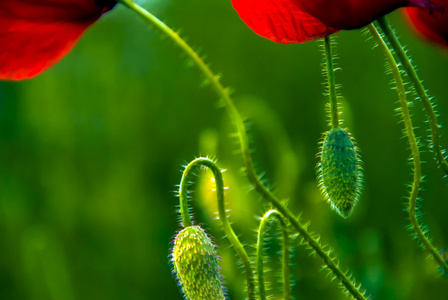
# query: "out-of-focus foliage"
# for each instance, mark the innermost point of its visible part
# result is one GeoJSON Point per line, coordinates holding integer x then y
{"type": "Point", "coordinates": [91, 152]}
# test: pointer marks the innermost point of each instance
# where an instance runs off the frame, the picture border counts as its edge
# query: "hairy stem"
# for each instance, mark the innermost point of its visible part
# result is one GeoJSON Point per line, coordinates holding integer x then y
{"type": "Point", "coordinates": [419, 88]}
{"type": "Point", "coordinates": [313, 241]}
{"type": "Point", "coordinates": [417, 168]}
{"type": "Point", "coordinates": [285, 254]}
{"type": "Point", "coordinates": [331, 82]}
{"type": "Point", "coordinates": [189, 172]}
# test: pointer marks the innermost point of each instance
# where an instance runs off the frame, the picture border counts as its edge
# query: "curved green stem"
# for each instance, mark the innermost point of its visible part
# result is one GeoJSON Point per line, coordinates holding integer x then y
{"type": "Point", "coordinates": [183, 195]}
{"type": "Point", "coordinates": [413, 197]}
{"type": "Point", "coordinates": [312, 240]}
{"type": "Point", "coordinates": [419, 88]}
{"type": "Point", "coordinates": [285, 254]}
{"type": "Point", "coordinates": [189, 172]}
{"type": "Point", "coordinates": [334, 114]}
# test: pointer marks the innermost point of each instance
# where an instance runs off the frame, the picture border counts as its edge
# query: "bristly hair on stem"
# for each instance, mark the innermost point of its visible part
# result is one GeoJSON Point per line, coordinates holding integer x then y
{"type": "Point", "coordinates": [419, 230]}
{"type": "Point", "coordinates": [331, 89]}
{"type": "Point", "coordinates": [265, 220]}
{"type": "Point", "coordinates": [406, 63]}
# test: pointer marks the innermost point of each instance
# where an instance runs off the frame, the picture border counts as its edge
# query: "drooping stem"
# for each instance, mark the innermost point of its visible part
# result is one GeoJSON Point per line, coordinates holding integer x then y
{"type": "Point", "coordinates": [331, 83]}
{"type": "Point", "coordinates": [286, 257]}
{"type": "Point", "coordinates": [406, 63]}
{"type": "Point", "coordinates": [285, 254]}
{"type": "Point", "coordinates": [188, 174]}
{"type": "Point", "coordinates": [417, 169]}
{"type": "Point", "coordinates": [183, 196]}
{"type": "Point", "coordinates": [311, 239]}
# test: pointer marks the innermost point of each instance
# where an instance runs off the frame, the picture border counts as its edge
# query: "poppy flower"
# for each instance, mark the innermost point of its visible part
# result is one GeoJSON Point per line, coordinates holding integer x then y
{"type": "Point", "coordinates": [282, 21]}
{"type": "Point", "coordinates": [432, 26]}
{"type": "Point", "coordinates": [35, 34]}
{"type": "Point", "coordinates": [298, 21]}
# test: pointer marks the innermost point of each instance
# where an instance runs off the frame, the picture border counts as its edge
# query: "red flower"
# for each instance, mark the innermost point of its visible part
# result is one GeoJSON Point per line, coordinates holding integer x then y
{"type": "Point", "coordinates": [282, 21]}
{"type": "Point", "coordinates": [433, 26]}
{"type": "Point", "coordinates": [298, 21]}
{"type": "Point", "coordinates": [35, 34]}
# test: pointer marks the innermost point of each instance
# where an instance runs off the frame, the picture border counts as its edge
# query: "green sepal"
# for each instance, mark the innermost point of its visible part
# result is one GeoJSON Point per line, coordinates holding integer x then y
{"type": "Point", "coordinates": [196, 266]}
{"type": "Point", "coordinates": [340, 171]}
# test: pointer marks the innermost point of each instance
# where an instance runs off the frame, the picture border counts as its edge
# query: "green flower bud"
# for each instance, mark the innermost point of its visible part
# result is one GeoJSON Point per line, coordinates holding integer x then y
{"type": "Point", "coordinates": [340, 171]}
{"type": "Point", "coordinates": [196, 265]}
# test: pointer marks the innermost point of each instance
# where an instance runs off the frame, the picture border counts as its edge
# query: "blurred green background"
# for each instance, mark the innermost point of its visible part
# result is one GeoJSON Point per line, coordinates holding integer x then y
{"type": "Point", "coordinates": [91, 152]}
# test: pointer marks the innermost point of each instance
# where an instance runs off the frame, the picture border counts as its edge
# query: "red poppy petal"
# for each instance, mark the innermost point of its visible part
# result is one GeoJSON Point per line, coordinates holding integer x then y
{"type": "Point", "coordinates": [352, 14]}
{"type": "Point", "coordinates": [281, 21]}
{"type": "Point", "coordinates": [35, 34]}
{"type": "Point", "coordinates": [431, 25]}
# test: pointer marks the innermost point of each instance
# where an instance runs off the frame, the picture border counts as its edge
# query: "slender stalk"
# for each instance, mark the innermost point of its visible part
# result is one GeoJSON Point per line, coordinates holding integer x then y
{"type": "Point", "coordinates": [312, 240]}
{"type": "Point", "coordinates": [183, 195]}
{"type": "Point", "coordinates": [417, 168]}
{"type": "Point", "coordinates": [233, 238]}
{"type": "Point", "coordinates": [285, 254]}
{"type": "Point", "coordinates": [331, 82]}
{"type": "Point", "coordinates": [419, 88]}
{"type": "Point", "coordinates": [286, 263]}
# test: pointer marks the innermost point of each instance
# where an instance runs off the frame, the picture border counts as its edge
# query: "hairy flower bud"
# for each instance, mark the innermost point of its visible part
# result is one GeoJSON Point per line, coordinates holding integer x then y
{"type": "Point", "coordinates": [340, 171]}
{"type": "Point", "coordinates": [196, 265]}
